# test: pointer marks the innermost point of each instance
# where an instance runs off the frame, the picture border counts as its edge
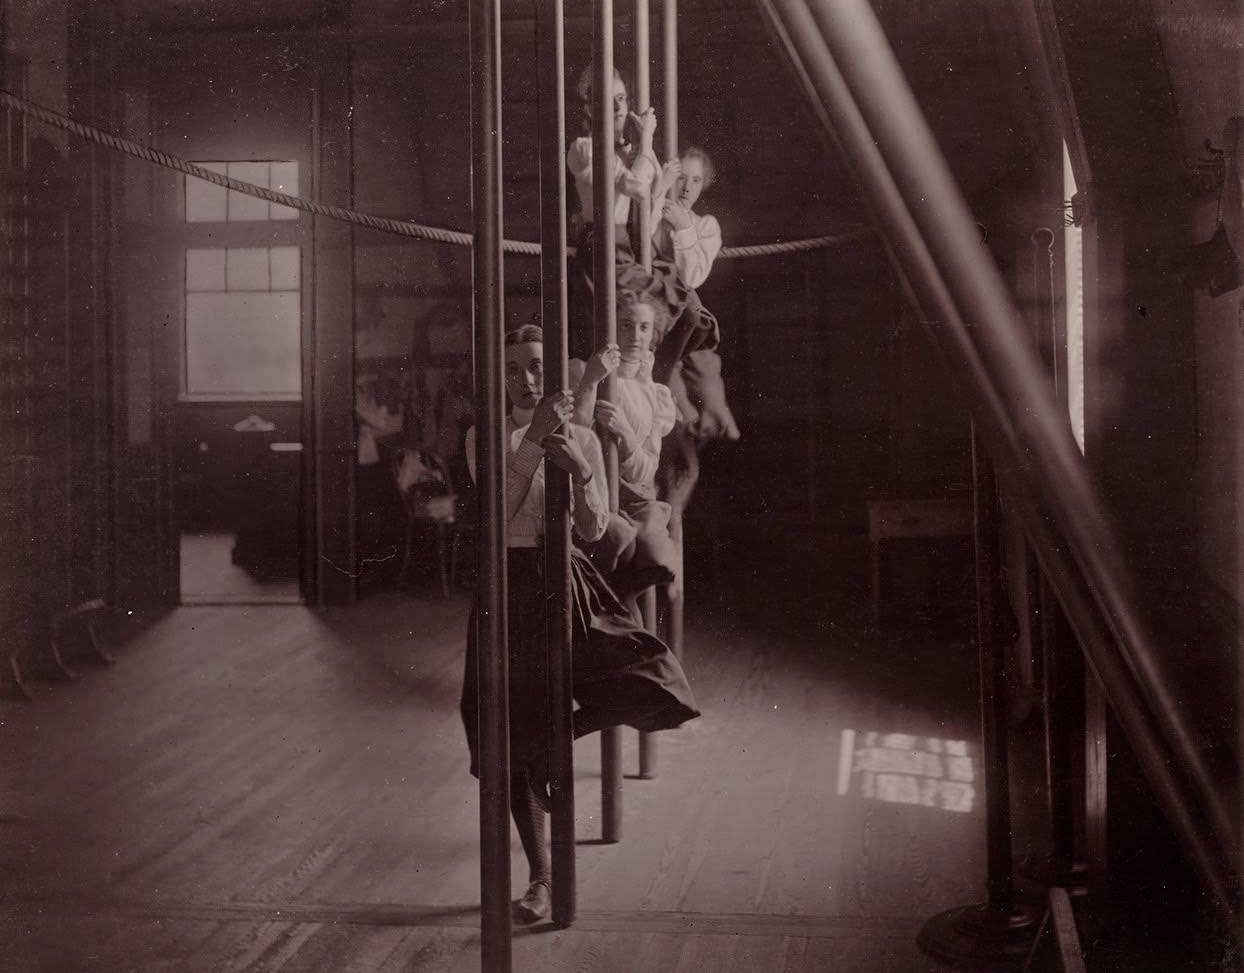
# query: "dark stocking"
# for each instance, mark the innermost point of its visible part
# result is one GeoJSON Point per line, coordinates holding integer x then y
{"type": "Point", "coordinates": [529, 819]}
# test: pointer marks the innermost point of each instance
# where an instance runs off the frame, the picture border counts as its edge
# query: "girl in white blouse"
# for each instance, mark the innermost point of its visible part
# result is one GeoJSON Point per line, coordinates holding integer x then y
{"type": "Point", "coordinates": [637, 550]}
{"type": "Point", "coordinates": [622, 674]}
{"type": "Point", "coordinates": [635, 172]}
{"type": "Point", "coordinates": [689, 242]}
{"type": "Point", "coordinates": [635, 166]}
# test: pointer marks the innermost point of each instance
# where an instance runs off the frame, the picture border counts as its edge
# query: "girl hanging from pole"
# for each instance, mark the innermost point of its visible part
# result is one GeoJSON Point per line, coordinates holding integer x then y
{"type": "Point", "coordinates": [688, 242]}
{"type": "Point", "coordinates": [636, 551]}
{"type": "Point", "coordinates": [689, 325]}
{"type": "Point", "coordinates": [636, 170]}
{"type": "Point", "coordinates": [622, 674]}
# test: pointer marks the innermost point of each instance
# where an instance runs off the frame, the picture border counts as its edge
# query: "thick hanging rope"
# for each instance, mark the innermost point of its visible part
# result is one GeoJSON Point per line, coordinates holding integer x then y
{"type": "Point", "coordinates": [382, 223]}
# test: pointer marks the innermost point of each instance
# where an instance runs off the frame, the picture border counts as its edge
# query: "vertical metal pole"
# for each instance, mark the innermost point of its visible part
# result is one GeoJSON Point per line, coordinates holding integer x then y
{"type": "Point", "coordinates": [551, 64]}
{"type": "Point", "coordinates": [669, 123]}
{"type": "Point", "coordinates": [1058, 764]}
{"type": "Point", "coordinates": [669, 39]}
{"type": "Point", "coordinates": [604, 299]}
{"type": "Point", "coordinates": [998, 881]}
{"type": "Point", "coordinates": [1058, 761]}
{"type": "Point", "coordinates": [648, 741]}
{"type": "Point", "coordinates": [490, 620]}
{"type": "Point", "coordinates": [643, 100]}
{"type": "Point", "coordinates": [995, 932]}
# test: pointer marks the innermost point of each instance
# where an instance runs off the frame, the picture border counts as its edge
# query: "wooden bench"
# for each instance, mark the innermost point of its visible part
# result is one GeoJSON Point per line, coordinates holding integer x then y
{"type": "Point", "coordinates": [903, 519]}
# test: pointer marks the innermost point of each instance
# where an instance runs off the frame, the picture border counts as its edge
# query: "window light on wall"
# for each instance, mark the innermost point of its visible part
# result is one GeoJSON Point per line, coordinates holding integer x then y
{"type": "Point", "coordinates": [209, 203]}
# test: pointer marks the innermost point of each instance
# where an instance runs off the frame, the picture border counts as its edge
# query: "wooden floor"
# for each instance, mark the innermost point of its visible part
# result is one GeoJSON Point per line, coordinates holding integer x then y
{"type": "Point", "coordinates": [209, 576]}
{"type": "Point", "coordinates": [271, 788]}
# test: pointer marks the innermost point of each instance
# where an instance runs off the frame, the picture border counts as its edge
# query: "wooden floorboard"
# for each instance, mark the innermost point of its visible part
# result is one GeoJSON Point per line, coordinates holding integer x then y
{"type": "Point", "coordinates": [271, 788]}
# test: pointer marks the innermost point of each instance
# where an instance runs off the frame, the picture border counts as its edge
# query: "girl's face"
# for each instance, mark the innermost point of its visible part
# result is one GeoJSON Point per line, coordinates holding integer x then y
{"type": "Point", "coordinates": [524, 374]}
{"type": "Point", "coordinates": [635, 331]}
{"type": "Point", "coordinates": [621, 108]}
{"type": "Point", "coordinates": [690, 184]}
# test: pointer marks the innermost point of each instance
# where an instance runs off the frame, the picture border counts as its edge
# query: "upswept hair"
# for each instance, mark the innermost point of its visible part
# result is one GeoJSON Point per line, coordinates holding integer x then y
{"type": "Point", "coordinates": [628, 298]}
{"type": "Point", "coordinates": [583, 88]}
{"type": "Point", "coordinates": [710, 170]}
{"type": "Point", "coordinates": [525, 334]}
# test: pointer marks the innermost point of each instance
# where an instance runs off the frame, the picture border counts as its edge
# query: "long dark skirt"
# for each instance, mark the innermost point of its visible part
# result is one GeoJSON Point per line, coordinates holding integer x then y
{"type": "Point", "coordinates": [623, 675]}
{"type": "Point", "coordinates": [691, 326]}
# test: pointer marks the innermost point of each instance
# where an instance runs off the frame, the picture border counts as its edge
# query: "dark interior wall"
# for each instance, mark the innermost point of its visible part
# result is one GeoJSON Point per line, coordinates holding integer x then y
{"type": "Point", "coordinates": [54, 334]}
{"type": "Point", "coordinates": [836, 395]}
{"type": "Point", "coordinates": [1161, 399]}
{"type": "Point", "coordinates": [1140, 371]}
{"type": "Point", "coordinates": [1201, 42]}
{"type": "Point", "coordinates": [806, 338]}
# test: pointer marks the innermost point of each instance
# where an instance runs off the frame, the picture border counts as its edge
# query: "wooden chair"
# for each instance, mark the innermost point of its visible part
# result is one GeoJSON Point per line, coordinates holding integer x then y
{"type": "Point", "coordinates": [81, 616]}
{"type": "Point", "coordinates": [431, 503]}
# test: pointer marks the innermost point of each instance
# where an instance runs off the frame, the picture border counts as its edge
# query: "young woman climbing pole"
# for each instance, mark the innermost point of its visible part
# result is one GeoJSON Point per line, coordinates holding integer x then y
{"type": "Point", "coordinates": [622, 674]}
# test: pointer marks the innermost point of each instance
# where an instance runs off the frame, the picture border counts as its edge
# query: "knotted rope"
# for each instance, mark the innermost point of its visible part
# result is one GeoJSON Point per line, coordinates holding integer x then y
{"type": "Point", "coordinates": [382, 223]}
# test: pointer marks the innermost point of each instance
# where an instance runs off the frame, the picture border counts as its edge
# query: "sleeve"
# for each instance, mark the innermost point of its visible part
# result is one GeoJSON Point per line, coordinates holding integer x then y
{"type": "Point", "coordinates": [695, 249]}
{"type": "Point", "coordinates": [576, 367]}
{"type": "Point", "coordinates": [666, 412]}
{"type": "Point", "coordinates": [647, 169]}
{"type": "Point", "coordinates": [579, 158]}
{"type": "Point", "coordinates": [637, 180]}
{"type": "Point", "coordinates": [589, 503]}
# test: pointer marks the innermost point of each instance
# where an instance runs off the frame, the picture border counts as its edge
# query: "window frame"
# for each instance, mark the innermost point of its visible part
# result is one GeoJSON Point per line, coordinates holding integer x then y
{"type": "Point", "coordinates": [241, 234]}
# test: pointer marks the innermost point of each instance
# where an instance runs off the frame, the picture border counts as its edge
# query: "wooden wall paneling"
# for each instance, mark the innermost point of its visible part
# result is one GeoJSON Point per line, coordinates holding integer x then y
{"type": "Point", "coordinates": [51, 466]}
{"type": "Point", "coordinates": [52, 525]}
{"type": "Point", "coordinates": [16, 461]}
{"type": "Point", "coordinates": [136, 538]}
{"type": "Point", "coordinates": [21, 465]}
{"type": "Point", "coordinates": [37, 569]}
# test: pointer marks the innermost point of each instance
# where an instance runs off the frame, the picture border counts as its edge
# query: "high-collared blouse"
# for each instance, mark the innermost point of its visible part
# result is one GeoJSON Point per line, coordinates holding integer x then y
{"type": "Point", "coordinates": [579, 161]}
{"type": "Point", "coordinates": [649, 409]}
{"type": "Point", "coordinates": [589, 502]}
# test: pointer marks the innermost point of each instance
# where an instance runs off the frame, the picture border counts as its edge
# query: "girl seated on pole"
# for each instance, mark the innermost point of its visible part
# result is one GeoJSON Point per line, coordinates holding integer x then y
{"type": "Point", "coordinates": [636, 551]}
{"type": "Point", "coordinates": [637, 175]}
{"type": "Point", "coordinates": [688, 242]}
{"type": "Point", "coordinates": [622, 675]}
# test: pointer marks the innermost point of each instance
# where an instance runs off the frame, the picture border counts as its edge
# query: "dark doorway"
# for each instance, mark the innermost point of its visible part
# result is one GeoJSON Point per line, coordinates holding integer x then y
{"type": "Point", "coordinates": [237, 430]}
